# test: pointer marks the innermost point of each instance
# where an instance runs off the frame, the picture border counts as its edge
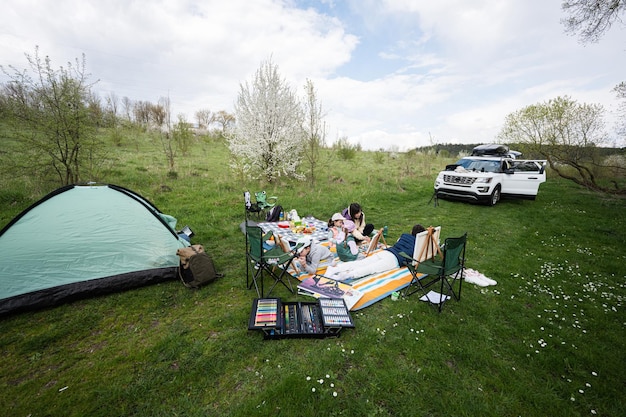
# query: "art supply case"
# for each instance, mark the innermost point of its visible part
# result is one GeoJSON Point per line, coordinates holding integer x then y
{"type": "Point", "coordinates": [317, 319]}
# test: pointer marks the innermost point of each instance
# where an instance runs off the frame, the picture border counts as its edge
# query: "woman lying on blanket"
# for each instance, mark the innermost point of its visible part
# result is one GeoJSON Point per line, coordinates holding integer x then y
{"type": "Point", "coordinates": [311, 254]}
{"type": "Point", "coordinates": [382, 261]}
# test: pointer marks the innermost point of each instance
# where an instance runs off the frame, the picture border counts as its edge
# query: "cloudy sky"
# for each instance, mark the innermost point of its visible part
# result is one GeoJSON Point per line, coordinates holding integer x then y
{"type": "Point", "coordinates": [391, 74]}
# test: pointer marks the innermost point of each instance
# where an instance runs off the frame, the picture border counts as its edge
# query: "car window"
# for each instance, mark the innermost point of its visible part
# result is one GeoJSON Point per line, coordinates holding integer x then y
{"type": "Point", "coordinates": [479, 165]}
{"type": "Point", "coordinates": [524, 166]}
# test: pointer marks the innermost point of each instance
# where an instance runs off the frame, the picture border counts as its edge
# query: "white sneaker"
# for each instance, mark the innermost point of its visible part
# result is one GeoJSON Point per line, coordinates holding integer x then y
{"type": "Point", "coordinates": [489, 281]}
{"type": "Point", "coordinates": [474, 277]}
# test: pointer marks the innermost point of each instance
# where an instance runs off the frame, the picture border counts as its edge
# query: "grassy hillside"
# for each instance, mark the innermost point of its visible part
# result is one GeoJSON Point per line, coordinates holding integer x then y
{"type": "Point", "coordinates": [547, 340]}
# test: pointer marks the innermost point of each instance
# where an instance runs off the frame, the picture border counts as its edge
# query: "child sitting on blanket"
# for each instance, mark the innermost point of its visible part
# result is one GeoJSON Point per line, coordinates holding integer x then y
{"type": "Point", "coordinates": [336, 234]}
{"type": "Point", "coordinates": [348, 250]}
{"type": "Point", "coordinates": [311, 255]}
{"type": "Point", "coordinates": [381, 261]}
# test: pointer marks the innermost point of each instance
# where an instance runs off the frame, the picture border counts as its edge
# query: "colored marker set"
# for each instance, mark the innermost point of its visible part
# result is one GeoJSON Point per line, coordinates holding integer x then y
{"type": "Point", "coordinates": [321, 318]}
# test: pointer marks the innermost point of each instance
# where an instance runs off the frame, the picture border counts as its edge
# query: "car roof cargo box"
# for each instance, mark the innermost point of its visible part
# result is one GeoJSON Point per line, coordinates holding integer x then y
{"type": "Point", "coordinates": [491, 149]}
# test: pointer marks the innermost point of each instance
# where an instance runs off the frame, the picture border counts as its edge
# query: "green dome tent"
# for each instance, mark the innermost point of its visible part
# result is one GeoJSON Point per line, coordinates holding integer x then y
{"type": "Point", "coordinates": [82, 241]}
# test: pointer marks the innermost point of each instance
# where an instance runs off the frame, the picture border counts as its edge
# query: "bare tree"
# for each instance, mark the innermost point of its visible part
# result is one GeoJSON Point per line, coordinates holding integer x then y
{"type": "Point", "coordinates": [225, 120]}
{"type": "Point", "coordinates": [127, 104]}
{"type": "Point", "coordinates": [620, 91]}
{"type": "Point", "coordinates": [590, 19]}
{"type": "Point", "coordinates": [52, 119]}
{"type": "Point", "coordinates": [568, 135]}
{"type": "Point", "coordinates": [204, 118]}
{"type": "Point", "coordinates": [142, 113]}
{"type": "Point", "coordinates": [162, 118]}
{"type": "Point", "coordinates": [268, 137]}
{"type": "Point", "coordinates": [314, 130]}
{"type": "Point", "coordinates": [95, 110]}
{"type": "Point", "coordinates": [112, 109]}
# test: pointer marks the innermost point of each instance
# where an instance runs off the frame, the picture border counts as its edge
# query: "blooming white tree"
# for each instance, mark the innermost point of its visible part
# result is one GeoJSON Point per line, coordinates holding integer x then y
{"type": "Point", "coordinates": [268, 137]}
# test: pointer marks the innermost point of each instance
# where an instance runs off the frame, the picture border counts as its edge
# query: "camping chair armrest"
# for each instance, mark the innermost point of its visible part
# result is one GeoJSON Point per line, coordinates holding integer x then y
{"type": "Point", "coordinates": [407, 259]}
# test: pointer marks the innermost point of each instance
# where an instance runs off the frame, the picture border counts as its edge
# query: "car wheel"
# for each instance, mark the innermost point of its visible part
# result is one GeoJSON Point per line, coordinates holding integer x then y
{"type": "Point", "coordinates": [495, 196]}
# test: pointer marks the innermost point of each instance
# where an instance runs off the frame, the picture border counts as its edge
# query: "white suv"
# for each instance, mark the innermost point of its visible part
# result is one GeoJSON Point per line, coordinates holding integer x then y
{"type": "Point", "coordinates": [491, 172]}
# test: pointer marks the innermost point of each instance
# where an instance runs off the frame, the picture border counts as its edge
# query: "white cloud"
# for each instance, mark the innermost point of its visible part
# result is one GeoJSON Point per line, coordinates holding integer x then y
{"type": "Point", "coordinates": [393, 72]}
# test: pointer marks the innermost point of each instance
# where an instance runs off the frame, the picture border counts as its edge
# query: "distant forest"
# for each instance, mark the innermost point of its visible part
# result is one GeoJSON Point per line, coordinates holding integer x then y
{"type": "Point", "coordinates": [454, 149]}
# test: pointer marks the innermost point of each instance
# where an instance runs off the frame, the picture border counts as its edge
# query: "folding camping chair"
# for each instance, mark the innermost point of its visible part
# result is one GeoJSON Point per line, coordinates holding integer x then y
{"type": "Point", "coordinates": [264, 202]}
{"type": "Point", "coordinates": [260, 207]}
{"type": "Point", "coordinates": [275, 261]}
{"type": "Point", "coordinates": [443, 271]}
{"type": "Point", "coordinates": [250, 207]}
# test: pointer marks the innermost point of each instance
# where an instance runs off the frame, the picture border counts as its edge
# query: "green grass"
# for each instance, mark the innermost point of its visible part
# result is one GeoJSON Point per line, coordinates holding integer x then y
{"type": "Point", "coordinates": [547, 340]}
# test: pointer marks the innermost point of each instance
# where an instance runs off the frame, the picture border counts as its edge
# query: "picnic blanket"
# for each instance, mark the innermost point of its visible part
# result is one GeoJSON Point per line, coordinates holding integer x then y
{"type": "Point", "coordinates": [378, 286]}
{"type": "Point", "coordinates": [373, 287]}
{"type": "Point", "coordinates": [319, 234]}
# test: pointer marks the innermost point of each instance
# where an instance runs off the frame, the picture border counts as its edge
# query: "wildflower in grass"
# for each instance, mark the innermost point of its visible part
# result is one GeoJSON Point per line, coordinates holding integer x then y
{"type": "Point", "coordinates": [334, 393]}
{"type": "Point", "coordinates": [313, 389]}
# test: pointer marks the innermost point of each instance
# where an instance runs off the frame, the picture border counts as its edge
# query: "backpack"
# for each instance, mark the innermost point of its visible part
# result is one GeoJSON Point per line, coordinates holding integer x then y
{"type": "Point", "coordinates": [274, 214]}
{"type": "Point", "coordinates": [196, 267]}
